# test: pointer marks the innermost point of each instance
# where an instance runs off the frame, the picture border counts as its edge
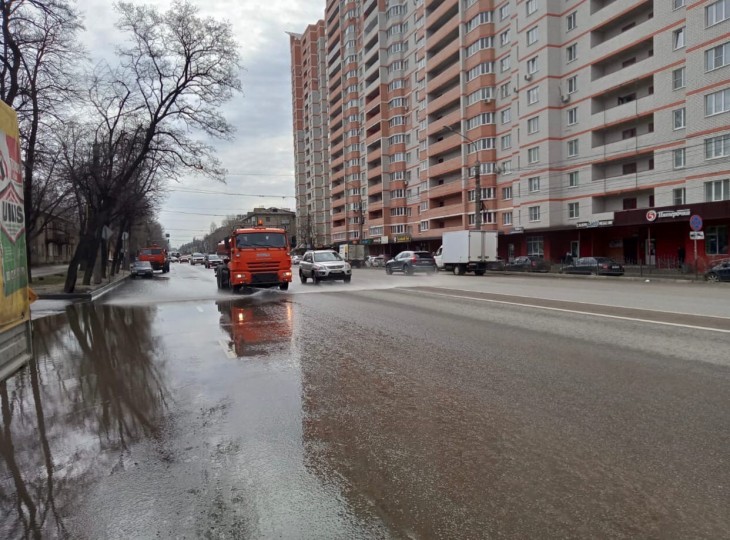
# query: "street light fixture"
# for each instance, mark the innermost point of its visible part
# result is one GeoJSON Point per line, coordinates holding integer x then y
{"type": "Point", "coordinates": [477, 181]}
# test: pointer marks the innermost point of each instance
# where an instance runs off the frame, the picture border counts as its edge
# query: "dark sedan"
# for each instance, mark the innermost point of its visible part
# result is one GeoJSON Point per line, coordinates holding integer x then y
{"type": "Point", "coordinates": [719, 272]}
{"type": "Point", "coordinates": [600, 266]}
{"type": "Point", "coordinates": [528, 263]}
{"type": "Point", "coordinates": [140, 269]}
{"type": "Point", "coordinates": [410, 262]}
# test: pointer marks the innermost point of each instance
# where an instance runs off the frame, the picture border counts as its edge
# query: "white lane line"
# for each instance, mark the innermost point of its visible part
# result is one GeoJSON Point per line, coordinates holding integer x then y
{"type": "Point", "coordinates": [226, 349]}
{"type": "Point", "coordinates": [587, 303]}
{"type": "Point", "coordinates": [574, 311]}
{"type": "Point", "coordinates": [199, 309]}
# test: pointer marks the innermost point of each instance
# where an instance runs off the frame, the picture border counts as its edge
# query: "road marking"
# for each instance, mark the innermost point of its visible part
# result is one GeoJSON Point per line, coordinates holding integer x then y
{"type": "Point", "coordinates": [573, 311]}
{"type": "Point", "coordinates": [227, 349]}
{"type": "Point", "coordinates": [199, 309]}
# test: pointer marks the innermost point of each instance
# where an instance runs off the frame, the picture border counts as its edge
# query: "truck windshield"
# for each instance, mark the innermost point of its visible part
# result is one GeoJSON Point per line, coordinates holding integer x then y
{"type": "Point", "coordinates": [151, 252]}
{"type": "Point", "coordinates": [260, 239]}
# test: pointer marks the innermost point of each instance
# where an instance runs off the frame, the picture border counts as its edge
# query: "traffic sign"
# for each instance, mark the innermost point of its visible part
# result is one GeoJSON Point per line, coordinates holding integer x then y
{"type": "Point", "coordinates": [696, 235]}
{"type": "Point", "coordinates": [695, 223]}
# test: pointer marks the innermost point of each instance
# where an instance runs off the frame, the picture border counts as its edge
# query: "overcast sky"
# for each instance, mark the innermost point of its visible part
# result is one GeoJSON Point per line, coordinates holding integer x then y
{"type": "Point", "coordinates": [260, 160]}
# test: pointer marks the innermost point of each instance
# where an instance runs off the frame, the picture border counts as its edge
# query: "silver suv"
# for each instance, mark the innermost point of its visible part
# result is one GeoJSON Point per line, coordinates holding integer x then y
{"type": "Point", "coordinates": [322, 265]}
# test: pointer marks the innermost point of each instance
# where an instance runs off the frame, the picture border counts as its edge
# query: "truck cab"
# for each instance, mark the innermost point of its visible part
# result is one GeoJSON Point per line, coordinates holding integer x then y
{"type": "Point", "coordinates": [156, 256]}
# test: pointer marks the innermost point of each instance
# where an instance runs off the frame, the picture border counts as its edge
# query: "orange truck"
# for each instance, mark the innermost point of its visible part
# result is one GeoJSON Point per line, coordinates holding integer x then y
{"type": "Point", "coordinates": [256, 257]}
{"type": "Point", "coordinates": [156, 256]}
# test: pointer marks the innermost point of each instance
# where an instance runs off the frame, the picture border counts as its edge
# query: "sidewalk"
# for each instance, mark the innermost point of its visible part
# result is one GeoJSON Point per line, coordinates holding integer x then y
{"type": "Point", "coordinates": [48, 282]}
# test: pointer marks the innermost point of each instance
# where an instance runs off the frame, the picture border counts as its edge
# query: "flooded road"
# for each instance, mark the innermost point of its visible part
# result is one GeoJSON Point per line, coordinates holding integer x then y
{"type": "Point", "coordinates": [389, 408]}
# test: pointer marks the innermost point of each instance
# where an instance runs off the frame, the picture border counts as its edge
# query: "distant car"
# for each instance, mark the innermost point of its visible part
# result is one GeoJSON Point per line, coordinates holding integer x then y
{"type": "Point", "coordinates": [324, 265]}
{"type": "Point", "coordinates": [141, 269]}
{"type": "Point", "coordinates": [212, 261]}
{"type": "Point", "coordinates": [197, 258]}
{"type": "Point", "coordinates": [600, 266]}
{"type": "Point", "coordinates": [296, 259]}
{"type": "Point", "coordinates": [173, 258]}
{"type": "Point", "coordinates": [184, 258]}
{"type": "Point", "coordinates": [375, 261]}
{"type": "Point", "coordinates": [528, 263]}
{"type": "Point", "coordinates": [410, 262]}
{"type": "Point", "coordinates": [719, 272]}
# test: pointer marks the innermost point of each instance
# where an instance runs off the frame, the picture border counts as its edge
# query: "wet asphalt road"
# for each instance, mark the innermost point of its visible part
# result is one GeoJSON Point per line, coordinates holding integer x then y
{"type": "Point", "coordinates": [393, 407]}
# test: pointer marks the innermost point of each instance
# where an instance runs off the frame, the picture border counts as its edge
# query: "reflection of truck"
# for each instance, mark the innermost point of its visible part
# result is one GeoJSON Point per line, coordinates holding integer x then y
{"type": "Point", "coordinates": [15, 332]}
{"type": "Point", "coordinates": [255, 257]}
{"type": "Point", "coordinates": [156, 256]}
{"type": "Point", "coordinates": [254, 328]}
{"type": "Point", "coordinates": [468, 251]}
{"type": "Point", "coordinates": [353, 253]}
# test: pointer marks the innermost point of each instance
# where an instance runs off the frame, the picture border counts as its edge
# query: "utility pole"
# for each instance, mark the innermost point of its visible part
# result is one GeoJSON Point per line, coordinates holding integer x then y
{"type": "Point", "coordinates": [477, 182]}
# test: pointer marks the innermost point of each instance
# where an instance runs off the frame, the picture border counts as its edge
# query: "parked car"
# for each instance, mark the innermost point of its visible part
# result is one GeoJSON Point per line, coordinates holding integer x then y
{"type": "Point", "coordinates": [600, 266]}
{"type": "Point", "coordinates": [197, 258]}
{"type": "Point", "coordinates": [141, 269]}
{"type": "Point", "coordinates": [410, 262]}
{"type": "Point", "coordinates": [375, 261]}
{"type": "Point", "coordinates": [528, 263]}
{"type": "Point", "coordinates": [296, 259]}
{"type": "Point", "coordinates": [174, 258]}
{"type": "Point", "coordinates": [323, 265]}
{"type": "Point", "coordinates": [719, 272]}
{"type": "Point", "coordinates": [213, 261]}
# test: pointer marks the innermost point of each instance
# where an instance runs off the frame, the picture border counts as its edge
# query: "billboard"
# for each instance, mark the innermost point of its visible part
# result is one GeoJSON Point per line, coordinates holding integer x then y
{"type": "Point", "coordinates": [14, 306]}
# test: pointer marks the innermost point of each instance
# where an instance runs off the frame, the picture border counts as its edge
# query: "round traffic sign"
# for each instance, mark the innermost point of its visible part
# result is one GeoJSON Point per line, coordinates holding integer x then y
{"type": "Point", "coordinates": [695, 223]}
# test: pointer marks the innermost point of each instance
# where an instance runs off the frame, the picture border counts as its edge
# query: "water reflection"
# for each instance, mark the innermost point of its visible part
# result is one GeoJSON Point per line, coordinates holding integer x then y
{"type": "Point", "coordinates": [254, 325]}
{"type": "Point", "coordinates": [94, 388]}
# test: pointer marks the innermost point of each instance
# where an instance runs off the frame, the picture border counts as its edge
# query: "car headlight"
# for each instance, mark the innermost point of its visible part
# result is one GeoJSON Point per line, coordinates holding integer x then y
{"type": "Point", "coordinates": [347, 266]}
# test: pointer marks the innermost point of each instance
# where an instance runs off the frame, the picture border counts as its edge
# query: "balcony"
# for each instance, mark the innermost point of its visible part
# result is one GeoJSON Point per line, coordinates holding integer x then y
{"type": "Point", "coordinates": [624, 66]}
{"type": "Point", "coordinates": [623, 25]}
{"type": "Point", "coordinates": [439, 124]}
{"type": "Point", "coordinates": [449, 98]}
{"type": "Point", "coordinates": [444, 12]}
{"type": "Point", "coordinates": [443, 40]}
{"type": "Point", "coordinates": [626, 148]}
{"type": "Point", "coordinates": [444, 81]}
{"type": "Point", "coordinates": [444, 190]}
{"type": "Point", "coordinates": [447, 211]}
{"type": "Point", "coordinates": [450, 143]}
{"type": "Point", "coordinates": [452, 165]}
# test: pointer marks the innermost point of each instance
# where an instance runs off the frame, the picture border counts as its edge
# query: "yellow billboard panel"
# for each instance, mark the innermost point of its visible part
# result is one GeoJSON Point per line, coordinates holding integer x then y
{"type": "Point", "coordinates": [14, 307]}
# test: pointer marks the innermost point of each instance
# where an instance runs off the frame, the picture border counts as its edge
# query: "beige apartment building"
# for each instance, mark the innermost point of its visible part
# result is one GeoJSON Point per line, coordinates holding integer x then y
{"type": "Point", "coordinates": [311, 164]}
{"type": "Point", "coordinates": [599, 127]}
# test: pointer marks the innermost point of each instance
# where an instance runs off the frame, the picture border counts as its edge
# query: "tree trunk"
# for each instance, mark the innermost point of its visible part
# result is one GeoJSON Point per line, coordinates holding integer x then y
{"type": "Point", "coordinates": [73, 266]}
{"type": "Point", "coordinates": [118, 250]}
{"type": "Point", "coordinates": [91, 254]}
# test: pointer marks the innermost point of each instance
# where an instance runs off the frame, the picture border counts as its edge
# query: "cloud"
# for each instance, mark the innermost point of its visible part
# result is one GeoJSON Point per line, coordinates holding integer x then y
{"type": "Point", "coordinates": [261, 158]}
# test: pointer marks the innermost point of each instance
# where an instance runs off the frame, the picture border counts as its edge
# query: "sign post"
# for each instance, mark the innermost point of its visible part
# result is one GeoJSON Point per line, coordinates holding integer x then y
{"type": "Point", "coordinates": [695, 223]}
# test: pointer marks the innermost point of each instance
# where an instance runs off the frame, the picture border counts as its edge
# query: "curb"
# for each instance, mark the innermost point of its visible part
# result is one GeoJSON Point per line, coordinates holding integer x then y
{"type": "Point", "coordinates": [89, 296]}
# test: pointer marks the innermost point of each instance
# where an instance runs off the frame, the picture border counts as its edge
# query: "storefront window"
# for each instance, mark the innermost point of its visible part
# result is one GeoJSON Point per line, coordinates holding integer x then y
{"type": "Point", "coordinates": [716, 240]}
{"type": "Point", "coordinates": [535, 245]}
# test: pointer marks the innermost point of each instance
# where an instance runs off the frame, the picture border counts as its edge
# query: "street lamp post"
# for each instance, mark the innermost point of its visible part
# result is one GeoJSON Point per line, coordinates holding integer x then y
{"type": "Point", "coordinates": [477, 182]}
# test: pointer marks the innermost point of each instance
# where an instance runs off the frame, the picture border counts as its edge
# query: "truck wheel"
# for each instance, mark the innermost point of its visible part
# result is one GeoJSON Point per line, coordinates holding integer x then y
{"type": "Point", "coordinates": [479, 272]}
{"type": "Point", "coordinates": [459, 270]}
{"type": "Point", "coordinates": [284, 286]}
{"type": "Point", "coordinates": [236, 288]}
{"type": "Point", "coordinates": [166, 268]}
{"type": "Point", "coordinates": [302, 277]}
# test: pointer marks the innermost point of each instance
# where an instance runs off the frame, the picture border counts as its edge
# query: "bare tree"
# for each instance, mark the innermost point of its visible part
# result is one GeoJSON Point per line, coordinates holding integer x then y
{"type": "Point", "coordinates": [173, 77]}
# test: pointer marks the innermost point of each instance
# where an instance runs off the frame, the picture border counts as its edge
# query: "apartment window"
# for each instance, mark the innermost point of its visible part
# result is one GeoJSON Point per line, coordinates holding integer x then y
{"type": "Point", "coordinates": [676, 4]}
{"type": "Point", "coordinates": [423, 226]}
{"type": "Point", "coordinates": [571, 21]}
{"type": "Point", "coordinates": [504, 64]}
{"type": "Point", "coordinates": [572, 116]}
{"type": "Point", "coordinates": [573, 84]}
{"type": "Point", "coordinates": [484, 17]}
{"type": "Point", "coordinates": [533, 184]}
{"type": "Point", "coordinates": [397, 194]}
{"type": "Point", "coordinates": [507, 193]}
{"type": "Point", "coordinates": [506, 218]}
{"type": "Point", "coordinates": [717, 190]}
{"type": "Point", "coordinates": [487, 194]}
{"type": "Point", "coordinates": [504, 12]}
{"type": "Point", "coordinates": [629, 168]}
{"type": "Point", "coordinates": [479, 120]}
{"type": "Point", "coordinates": [506, 141]}
{"type": "Point", "coordinates": [573, 148]}
{"type": "Point", "coordinates": [532, 35]}
{"type": "Point", "coordinates": [504, 38]}
{"type": "Point", "coordinates": [678, 38]}
{"type": "Point", "coordinates": [678, 79]}
{"type": "Point", "coordinates": [506, 116]}
{"type": "Point", "coordinates": [507, 167]}
{"type": "Point", "coordinates": [717, 57]}
{"type": "Point", "coordinates": [397, 121]}
{"type": "Point", "coordinates": [629, 203]}
{"type": "Point", "coordinates": [533, 95]}
{"type": "Point", "coordinates": [533, 125]}
{"type": "Point", "coordinates": [717, 12]}
{"type": "Point", "coordinates": [716, 147]}
{"type": "Point", "coordinates": [716, 240]}
{"type": "Point", "coordinates": [717, 102]}
{"type": "Point", "coordinates": [678, 157]}
{"type": "Point", "coordinates": [479, 45]}
{"type": "Point", "coordinates": [573, 179]}
{"type": "Point", "coordinates": [487, 217]}
{"type": "Point", "coordinates": [535, 246]}
{"type": "Point", "coordinates": [533, 154]}
{"type": "Point", "coordinates": [679, 196]}
{"type": "Point", "coordinates": [534, 213]}
{"type": "Point", "coordinates": [504, 90]}
{"type": "Point", "coordinates": [571, 52]}
{"type": "Point", "coordinates": [481, 69]}
{"type": "Point", "coordinates": [532, 66]}
{"type": "Point", "coordinates": [628, 133]}
{"type": "Point", "coordinates": [573, 210]}
{"type": "Point", "coordinates": [397, 229]}
{"type": "Point", "coordinates": [531, 7]}
{"type": "Point", "coordinates": [481, 144]}
{"type": "Point", "coordinates": [678, 118]}
{"type": "Point", "coordinates": [480, 95]}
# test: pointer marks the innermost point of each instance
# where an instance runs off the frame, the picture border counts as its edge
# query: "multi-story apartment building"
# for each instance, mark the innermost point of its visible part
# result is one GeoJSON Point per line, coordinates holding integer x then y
{"type": "Point", "coordinates": [598, 126]}
{"type": "Point", "coordinates": [279, 218]}
{"type": "Point", "coordinates": [311, 164]}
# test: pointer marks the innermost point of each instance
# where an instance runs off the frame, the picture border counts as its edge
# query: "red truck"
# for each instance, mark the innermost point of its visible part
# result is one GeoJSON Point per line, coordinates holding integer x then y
{"type": "Point", "coordinates": [255, 257]}
{"type": "Point", "coordinates": [157, 257]}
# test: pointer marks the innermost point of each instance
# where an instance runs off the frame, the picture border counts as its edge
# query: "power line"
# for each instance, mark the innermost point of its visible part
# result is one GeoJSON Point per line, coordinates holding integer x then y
{"type": "Point", "coordinates": [208, 192]}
